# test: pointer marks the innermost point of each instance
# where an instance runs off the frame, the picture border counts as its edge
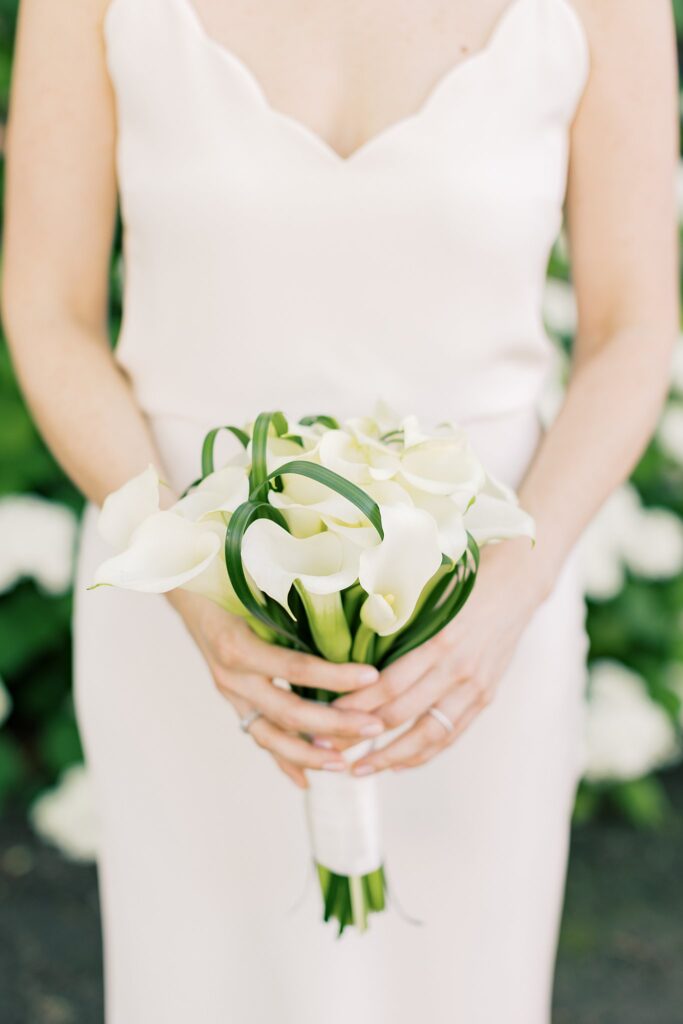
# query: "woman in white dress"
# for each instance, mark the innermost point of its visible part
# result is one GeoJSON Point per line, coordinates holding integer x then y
{"type": "Point", "coordinates": [323, 205]}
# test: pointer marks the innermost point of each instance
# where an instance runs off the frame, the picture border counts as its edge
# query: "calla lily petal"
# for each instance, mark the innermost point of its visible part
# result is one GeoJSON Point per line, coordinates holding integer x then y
{"type": "Point", "coordinates": [218, 493]}
{"type": "Point", "coordinates": [124, 509]}
{"type": "Point", "coordinates": [492, 519]}
{"type": "Point", "coordinates": [394, 572]}
{"type": "Point", "coordinates": [444, 465]}
{"type": "Point", "coordinates": [165, 552]}
{"type": "Point", "coordinates": [324, 563]}
{"type": "Point", "coordinates": [446, 514]}
{"type": "Point", "coordinates": [359, 458]}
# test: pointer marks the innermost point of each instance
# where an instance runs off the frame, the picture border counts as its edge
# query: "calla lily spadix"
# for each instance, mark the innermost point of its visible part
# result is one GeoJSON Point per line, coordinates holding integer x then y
{"type": "Point", "coordinates": [320, 567]}
{"type": "Point", "coordinates": [124, 509]}
{"type": "Point", "coordinates": [394, 573]}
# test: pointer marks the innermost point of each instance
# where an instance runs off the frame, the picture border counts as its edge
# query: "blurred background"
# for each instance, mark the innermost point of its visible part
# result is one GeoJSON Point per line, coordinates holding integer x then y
{"type": "Point", "coordinates": [621, 947]}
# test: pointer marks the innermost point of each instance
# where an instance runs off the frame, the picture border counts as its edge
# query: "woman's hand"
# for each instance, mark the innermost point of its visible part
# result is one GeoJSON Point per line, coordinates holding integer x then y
{"type": "Point", "coordinates": [458, 670]}
{"type": "Point", "coordinates": [243, 668]}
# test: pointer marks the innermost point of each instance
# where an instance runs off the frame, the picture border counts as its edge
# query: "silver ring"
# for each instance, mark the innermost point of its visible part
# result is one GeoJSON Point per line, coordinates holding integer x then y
{"type": "Point", "coordinates": [442, 719]}
{"type": "Point", "coordinates": [246, 723]}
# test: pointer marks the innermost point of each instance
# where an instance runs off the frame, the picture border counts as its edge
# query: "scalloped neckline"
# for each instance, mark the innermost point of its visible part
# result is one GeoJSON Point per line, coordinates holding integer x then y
{"type": "Point", "coordinates": [231, 59]}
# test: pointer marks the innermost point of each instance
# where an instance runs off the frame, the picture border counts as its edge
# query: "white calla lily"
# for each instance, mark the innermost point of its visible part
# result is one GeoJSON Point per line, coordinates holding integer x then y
{"type": "Point", "coordinates": [496, 515]}
{"type": "Point", "coordinates": [324, 563]}
{"type": "Point", "coordinates": [394, 572]}
{"type": "Point", "coordinates": [123, 510]}
{"type": "Point", "coordinates": [166, 552]}
{"type": "Point", "coordinates": [320, 567]}
{"type": "Point", "coordinates": [217, 495]}
{"type": "Point", "coordinates": [448, 517]}
{"type": "Point", "coordinates": [444, 465]}
{"type": "Point", "coordinates": [358, 458]}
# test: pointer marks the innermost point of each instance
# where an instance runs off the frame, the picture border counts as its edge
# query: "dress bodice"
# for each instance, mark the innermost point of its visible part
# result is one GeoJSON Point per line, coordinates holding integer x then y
{"type": "Point", "coordinates": [264, 270]}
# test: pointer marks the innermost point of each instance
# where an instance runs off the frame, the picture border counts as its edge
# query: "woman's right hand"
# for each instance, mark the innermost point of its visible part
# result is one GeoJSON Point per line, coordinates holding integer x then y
{"type": "Point", "coordinates": [244, 668]}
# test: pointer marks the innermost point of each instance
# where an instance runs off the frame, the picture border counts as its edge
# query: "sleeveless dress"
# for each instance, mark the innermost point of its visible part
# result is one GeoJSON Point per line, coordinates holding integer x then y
{"type": "Point", "coordinates": [263, 270]}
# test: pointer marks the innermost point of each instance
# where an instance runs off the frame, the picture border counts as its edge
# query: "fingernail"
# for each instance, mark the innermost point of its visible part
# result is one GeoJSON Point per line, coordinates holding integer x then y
{"type": "Point", "coordinates": [368, 675]}
{"type": "Point", "coordinates": [398, 767]}
{"type": "Point", "coordinates": [373, 729]}
{"type": "Point", "coordinates": [335, 766]}
{"type": "Point", "coordinates": [323, 744]}
{"type": "Point", "coordinates": [363, 769]}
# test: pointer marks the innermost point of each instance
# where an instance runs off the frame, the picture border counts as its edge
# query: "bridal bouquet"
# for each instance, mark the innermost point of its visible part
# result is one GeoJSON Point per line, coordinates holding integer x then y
{"type": "Point", "coordinates": [354, 541]}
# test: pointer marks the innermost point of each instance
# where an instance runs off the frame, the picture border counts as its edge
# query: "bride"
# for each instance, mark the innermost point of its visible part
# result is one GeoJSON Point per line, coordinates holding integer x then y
{"type": "Point", "coordinates": [324, 204]}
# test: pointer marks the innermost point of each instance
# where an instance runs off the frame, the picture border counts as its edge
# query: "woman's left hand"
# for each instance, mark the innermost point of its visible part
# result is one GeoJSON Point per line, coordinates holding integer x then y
{"type": "Point", "coordinates": [459, 669]}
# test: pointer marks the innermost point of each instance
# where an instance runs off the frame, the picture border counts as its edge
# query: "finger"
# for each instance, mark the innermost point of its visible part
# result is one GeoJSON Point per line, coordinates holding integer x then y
{"type": "Point", "coordinates": [256, 655]}
{"type": "Point", "coordinates": [393, 681]}
{"type": "Point", "coordinates": [422, 734]}
{"type": "Point", "coordinates": [297, 775]}
{"type": "Point", "coordinates": [465, 720]}
{"type": "Point", "coordinates": [297, 714]}
{"type": "Point", "coordinates": [293, 749]}
{"type": "Point", "coordinates": [424, 694]}
{"type": "Point", "coordinates": [425, 733]}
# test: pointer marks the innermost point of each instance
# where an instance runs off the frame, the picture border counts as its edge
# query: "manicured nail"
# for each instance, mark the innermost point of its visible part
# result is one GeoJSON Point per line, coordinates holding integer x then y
{"type": "Point", "coordinates": [373, 729]}
{"type": "Point", "coordinates": [368, 675]}
{"type": "Point", "coordinates": [323, 744]}
{"type": "Point", "coordinates": [363, 769]}
{"type": "Point", "coordinates": [335, 766]}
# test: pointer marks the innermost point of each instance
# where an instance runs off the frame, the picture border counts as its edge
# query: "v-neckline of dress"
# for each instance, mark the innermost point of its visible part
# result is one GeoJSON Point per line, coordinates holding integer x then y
{"type": "Point", "coordinates": [459, 70]}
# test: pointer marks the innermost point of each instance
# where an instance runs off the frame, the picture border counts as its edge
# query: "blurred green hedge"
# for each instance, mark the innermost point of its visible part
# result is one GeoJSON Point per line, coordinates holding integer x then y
{"type": "Point", "coordinates": [640, 627]}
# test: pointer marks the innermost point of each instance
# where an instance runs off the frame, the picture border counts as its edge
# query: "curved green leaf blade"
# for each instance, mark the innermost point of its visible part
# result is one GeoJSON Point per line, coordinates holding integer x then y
{"type": "Point", "coordinates": [259, 445]}
{"type": "Point", "coordinates": [209, 444]}
{"type": "Point", "coordinates": [327, 477]}
{"type": "Point", "coordinates": [269, 614]}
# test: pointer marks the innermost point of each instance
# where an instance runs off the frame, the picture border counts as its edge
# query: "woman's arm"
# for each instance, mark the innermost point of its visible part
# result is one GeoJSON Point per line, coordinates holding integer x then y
{"type": "Point", "coordinates": [623, 235]}
{"type": "Point", "coordinates": [60, 209]}
{"type": "Point", "coordinates": [60, 214]}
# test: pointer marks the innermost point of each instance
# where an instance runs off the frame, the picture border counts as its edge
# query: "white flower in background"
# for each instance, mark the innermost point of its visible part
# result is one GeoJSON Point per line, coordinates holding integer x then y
{"type": "Point", "coordinates": [38, 541]}
{"type": "Point", "coordinates": [679, 188]}
{"type": "Point", "coordinates": [395, 572]}
{"type": "Point", "coordinates": [624, 534]}
{"type": "Point", "coordinates": [670, 431]}
{"type": "Point", "coordinates": [559, 307]}
{"type": "Point", "coordinates": [124, 509]}
{"type": "Point", "coordinates": [66, 817]}
{"type": "Point", "coordinates": [5, 702]}
{"type": "Point", "coordinates": [626, 735]}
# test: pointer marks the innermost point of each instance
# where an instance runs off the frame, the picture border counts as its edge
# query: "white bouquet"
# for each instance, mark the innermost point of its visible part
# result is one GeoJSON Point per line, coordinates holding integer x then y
{"type": "Point", "coordinates": [355, 542]}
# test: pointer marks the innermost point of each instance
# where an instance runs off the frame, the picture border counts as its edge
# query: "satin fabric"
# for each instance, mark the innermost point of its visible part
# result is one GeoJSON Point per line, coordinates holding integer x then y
{"type": "Point", "coordinates": [263, 270]}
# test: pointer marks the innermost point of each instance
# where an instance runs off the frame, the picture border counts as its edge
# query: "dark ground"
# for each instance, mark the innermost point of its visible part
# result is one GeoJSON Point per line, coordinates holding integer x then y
{"type": "Point", "coordinates": [621, 953]}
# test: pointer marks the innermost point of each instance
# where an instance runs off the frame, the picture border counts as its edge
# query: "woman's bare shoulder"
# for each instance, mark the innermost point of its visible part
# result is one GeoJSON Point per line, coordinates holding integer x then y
{"type": "Point", "coordinates": [626, 25]}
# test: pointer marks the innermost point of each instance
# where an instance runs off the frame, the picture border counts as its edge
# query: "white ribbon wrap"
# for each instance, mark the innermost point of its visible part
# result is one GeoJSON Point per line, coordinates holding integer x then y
{"type": "Point", "coordinates": [343, 819]}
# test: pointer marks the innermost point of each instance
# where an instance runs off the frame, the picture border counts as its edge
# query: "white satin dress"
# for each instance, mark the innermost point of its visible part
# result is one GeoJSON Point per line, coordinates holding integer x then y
{"type": "Point", "coordinates": [263, 270]}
